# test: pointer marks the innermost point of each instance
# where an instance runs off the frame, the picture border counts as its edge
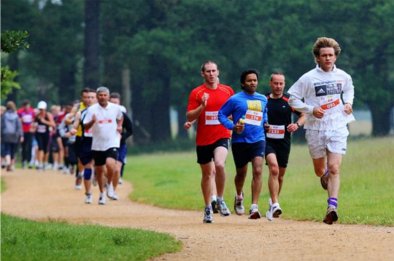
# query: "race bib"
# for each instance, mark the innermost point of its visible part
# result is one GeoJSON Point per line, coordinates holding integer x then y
{"type": "Point", "coordinates": [211, 118]}
{"type": "Point", "coordinates": [276, 132]}
{"type": "Point", "coordinates": [27, 118]}
{"type": "Point", "coordinates": [41, 128]}
{"type": "Point", "coordinates": [253, 117]}
{"type": "Point", "coordinates": [330, 104]}
{"type": "Point", "coordinates": [88, 133]}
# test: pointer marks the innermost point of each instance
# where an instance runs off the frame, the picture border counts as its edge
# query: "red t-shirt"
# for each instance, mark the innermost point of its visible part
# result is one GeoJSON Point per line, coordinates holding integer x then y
{"type": "Point", "coordinates": [209, 129]}
{"type": "Point", "coordinates": [27, 117]}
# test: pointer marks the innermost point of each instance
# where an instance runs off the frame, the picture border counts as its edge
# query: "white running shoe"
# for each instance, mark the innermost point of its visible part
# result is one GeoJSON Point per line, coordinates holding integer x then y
{"type": "Point", "coordinates": [114, 196]}
{"type": "Point", "coordinates": [78, 187]}
{"type": "Point", "coordinates": [254, 213]}
{"type": "Point", "coordinates": [239, 205]}
{"type": "Point", "coordinates": [208, 215]}
{"type": "Point", "coordinates": [102, 199]}
{"type": "Point", "coordinates": [120, 181]}
{"type": "Point", "coordinates": [222, 208]}
{"type": "Point", "coordinates": [273, 212]}
{"type": "Point", "coordinates": [110, 190]}
{"type": "Point", "coordinates": [88, 198]}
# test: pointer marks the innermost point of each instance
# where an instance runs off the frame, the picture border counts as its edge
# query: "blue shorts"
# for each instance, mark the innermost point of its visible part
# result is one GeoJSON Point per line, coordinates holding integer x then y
{"type": "Point", "coordinates": [122, 153]}
{"type": "Point", "coordinates": [245, 152]}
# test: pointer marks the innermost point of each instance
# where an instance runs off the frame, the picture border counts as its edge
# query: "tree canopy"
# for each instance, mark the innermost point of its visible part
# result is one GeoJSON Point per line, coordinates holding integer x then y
{"type": "Point", "coordinates": [161, 45]}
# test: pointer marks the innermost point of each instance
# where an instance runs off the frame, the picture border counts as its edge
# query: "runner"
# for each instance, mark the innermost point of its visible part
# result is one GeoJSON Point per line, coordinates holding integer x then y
{"type": "Point", "coordinates": [127, 131]}
{"type": "Point", "coordinates": [43, 124]}
{"type": "Point", "coordinates": [26, 114]}
{"type": "Point", "coordinates": [212, 138]}
{"type": "Point", "coordinates": [248, 110]}
{"type": "Point", "coordinates": [83, 144]}
{"type": "Point", "coordinates": [326, 95]}
{"type": "Point", "coordinates": [105, 119]}
{"type": "Point", "coordinates": [278, 138]}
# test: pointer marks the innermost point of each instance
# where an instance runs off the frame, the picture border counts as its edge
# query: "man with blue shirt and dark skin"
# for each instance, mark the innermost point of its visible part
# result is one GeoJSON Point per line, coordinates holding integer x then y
{"type": "Point", "coordinates": [248, 110]}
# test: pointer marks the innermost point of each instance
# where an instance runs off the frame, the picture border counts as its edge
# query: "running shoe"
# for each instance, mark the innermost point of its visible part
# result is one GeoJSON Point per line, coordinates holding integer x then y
{"type": "Point", "coordinates": [214, 205]}
{"type": "Point", "coordinates": [110, 190]}
{"type": "Point", "coordinates": [208, 215]}
{"type": "Point", "coordinates": [102, 199]}
{"type": "Point", "coordinates": [78, 187]}
{"type": "Point", "coordinates": [254, 213]}
{"type": "Point", "coordinates": [331, 216]}
{"type": "Point", "coordinates": [223, 209]}
{"type": "Point", "coordinates": [273, 212]}
{"type": "Point", "coordinates": [88, 198]}
{"type": "Point", "coordinates": [324, 180]}
{"type": "Point", "coordinates": [114, 196]}
{"type": "Point", "coordinates": [120, 181]}
{"type": "Point", "coordinates": [239, 205]}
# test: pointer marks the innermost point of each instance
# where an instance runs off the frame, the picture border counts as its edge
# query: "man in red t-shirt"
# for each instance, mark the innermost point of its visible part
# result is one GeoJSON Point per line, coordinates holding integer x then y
{"type": "Point", "coordinates": [212, 137]}
{"type": "Point", "coordinates": [26, 114]}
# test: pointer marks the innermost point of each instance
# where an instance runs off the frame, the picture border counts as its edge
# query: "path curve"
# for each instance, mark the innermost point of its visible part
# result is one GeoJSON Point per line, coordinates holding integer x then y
{"type": "Point", "coordinates": [50, 195]}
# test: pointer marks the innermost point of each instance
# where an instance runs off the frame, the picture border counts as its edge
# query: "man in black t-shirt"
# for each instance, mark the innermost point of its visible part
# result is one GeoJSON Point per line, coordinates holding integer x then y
{"type": "Point", "coordinates": [278, 138]}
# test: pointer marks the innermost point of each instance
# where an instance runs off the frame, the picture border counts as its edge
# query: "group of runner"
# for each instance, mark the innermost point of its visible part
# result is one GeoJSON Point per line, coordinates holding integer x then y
{"type": "Point", "coordinates": [91, 134]}
{"type": "Point", "coordinates": [260, 126]}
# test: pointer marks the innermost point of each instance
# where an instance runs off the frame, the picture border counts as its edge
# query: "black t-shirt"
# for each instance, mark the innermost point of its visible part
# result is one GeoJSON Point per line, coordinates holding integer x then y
{"type": "Point", "coordinates": [279, 113]}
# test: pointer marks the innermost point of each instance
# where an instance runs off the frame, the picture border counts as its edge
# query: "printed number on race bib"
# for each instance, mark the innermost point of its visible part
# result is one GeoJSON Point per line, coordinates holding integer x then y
{"type": "Point", "coordinates": [253, 117]}
{"type": "Point", "coordinates": [276, 132]}
{"type": "Point", "coordinates": [211, 118]}
{"type": "Point", "coordinates": [330, 105]}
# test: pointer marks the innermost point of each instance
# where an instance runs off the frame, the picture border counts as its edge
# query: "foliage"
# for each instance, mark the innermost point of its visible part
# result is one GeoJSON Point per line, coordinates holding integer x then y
{"type": "Point", "coordinates": [7, 80]}
{"type": "Point", "coordinates": [14, 40]}
{"type": "Point", "coordinates": [163, 43]}
{"type": "Point", "coordinates": [173, 181]}
{"type": "Point", "coordinates": [11, 41]}
{"type": "Point", "coordinates": [28, 240]}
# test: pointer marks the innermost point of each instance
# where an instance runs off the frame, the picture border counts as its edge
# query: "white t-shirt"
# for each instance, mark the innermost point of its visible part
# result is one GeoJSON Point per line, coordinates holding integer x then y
{"type": "Point", "coordinates": [104, 130]}
{"type": "Point", "coordinates": [323, 89]}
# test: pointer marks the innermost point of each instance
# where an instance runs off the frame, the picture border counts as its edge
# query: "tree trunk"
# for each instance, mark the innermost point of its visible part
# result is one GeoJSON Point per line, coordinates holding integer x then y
{"type": "Point", "coordinates": [381, 120]}
{"type": "Point", "coordinates": [161, 112]}
{"type": "Point", "coordinates": [66, 90]}
{"type": "Point", "coordinates": [91, 76]}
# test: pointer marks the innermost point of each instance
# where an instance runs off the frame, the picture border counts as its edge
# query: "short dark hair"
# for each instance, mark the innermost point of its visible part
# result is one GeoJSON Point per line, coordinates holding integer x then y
{"type": "Point", "coordinates": [87, 89]}
{"type": "Point", "coordinates": [246, 73]}
{"type": "Point", "coordinates": [25, 102]}
{"type": "Point", "coordinates": [115, 95]}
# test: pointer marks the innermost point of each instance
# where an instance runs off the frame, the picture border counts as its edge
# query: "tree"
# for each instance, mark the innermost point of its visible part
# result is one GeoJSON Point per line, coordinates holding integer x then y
{"type": "Point", "coordinates": [11, 41]}
{"type": "Point", "coordinates": [91, 76]}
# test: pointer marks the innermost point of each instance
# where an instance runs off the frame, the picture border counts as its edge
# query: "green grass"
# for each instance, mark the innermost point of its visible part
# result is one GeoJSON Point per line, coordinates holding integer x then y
{"type": "Point", "coordinates": [2, 185]}
{"type": "Point", "coordinates": [172, 180]}
{"type": "Point", "coordinates": [28, 240]}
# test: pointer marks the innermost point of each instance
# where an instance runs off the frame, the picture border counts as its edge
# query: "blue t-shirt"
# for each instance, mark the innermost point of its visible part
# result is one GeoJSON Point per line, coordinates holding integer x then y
{"type": "Point", "coordinates": [251, 107]}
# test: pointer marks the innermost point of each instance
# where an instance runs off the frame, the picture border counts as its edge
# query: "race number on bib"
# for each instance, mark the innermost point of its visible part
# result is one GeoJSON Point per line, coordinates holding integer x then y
{"type": "Point", "coordinates": [211, 118]}
{"type": "Point", "coordinates": [330, 104]}
{"type": "Point", "coordinates": [253, 117]}
{"type": "Point", "coordinates": [276, 132]}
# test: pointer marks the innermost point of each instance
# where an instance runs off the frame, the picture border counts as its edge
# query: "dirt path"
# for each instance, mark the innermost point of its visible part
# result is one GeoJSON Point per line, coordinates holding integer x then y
{"type": "Point", "coordinates": [50, 195]}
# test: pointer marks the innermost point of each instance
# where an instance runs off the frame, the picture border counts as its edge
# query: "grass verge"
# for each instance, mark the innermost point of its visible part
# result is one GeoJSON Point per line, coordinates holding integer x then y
{"type": "Point", "coordinates": [29, 240]}
{"type": "Point", "coordinates": [172, 180]}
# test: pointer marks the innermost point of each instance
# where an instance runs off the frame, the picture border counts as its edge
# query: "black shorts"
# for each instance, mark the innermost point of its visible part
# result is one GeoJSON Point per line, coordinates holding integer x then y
{"type": "Point", "coordinates": [205, 153]}
{"type": "Point", "coordinates": [42, 141]}
{"type": "Point", "coordinates": [100, 157]}
{"type": "Point", "coordinates": [83, 149]}
{"type": "Point", "coordinates": [245, 152]}
{"type": "Point", "coordinates": [281, 150]}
